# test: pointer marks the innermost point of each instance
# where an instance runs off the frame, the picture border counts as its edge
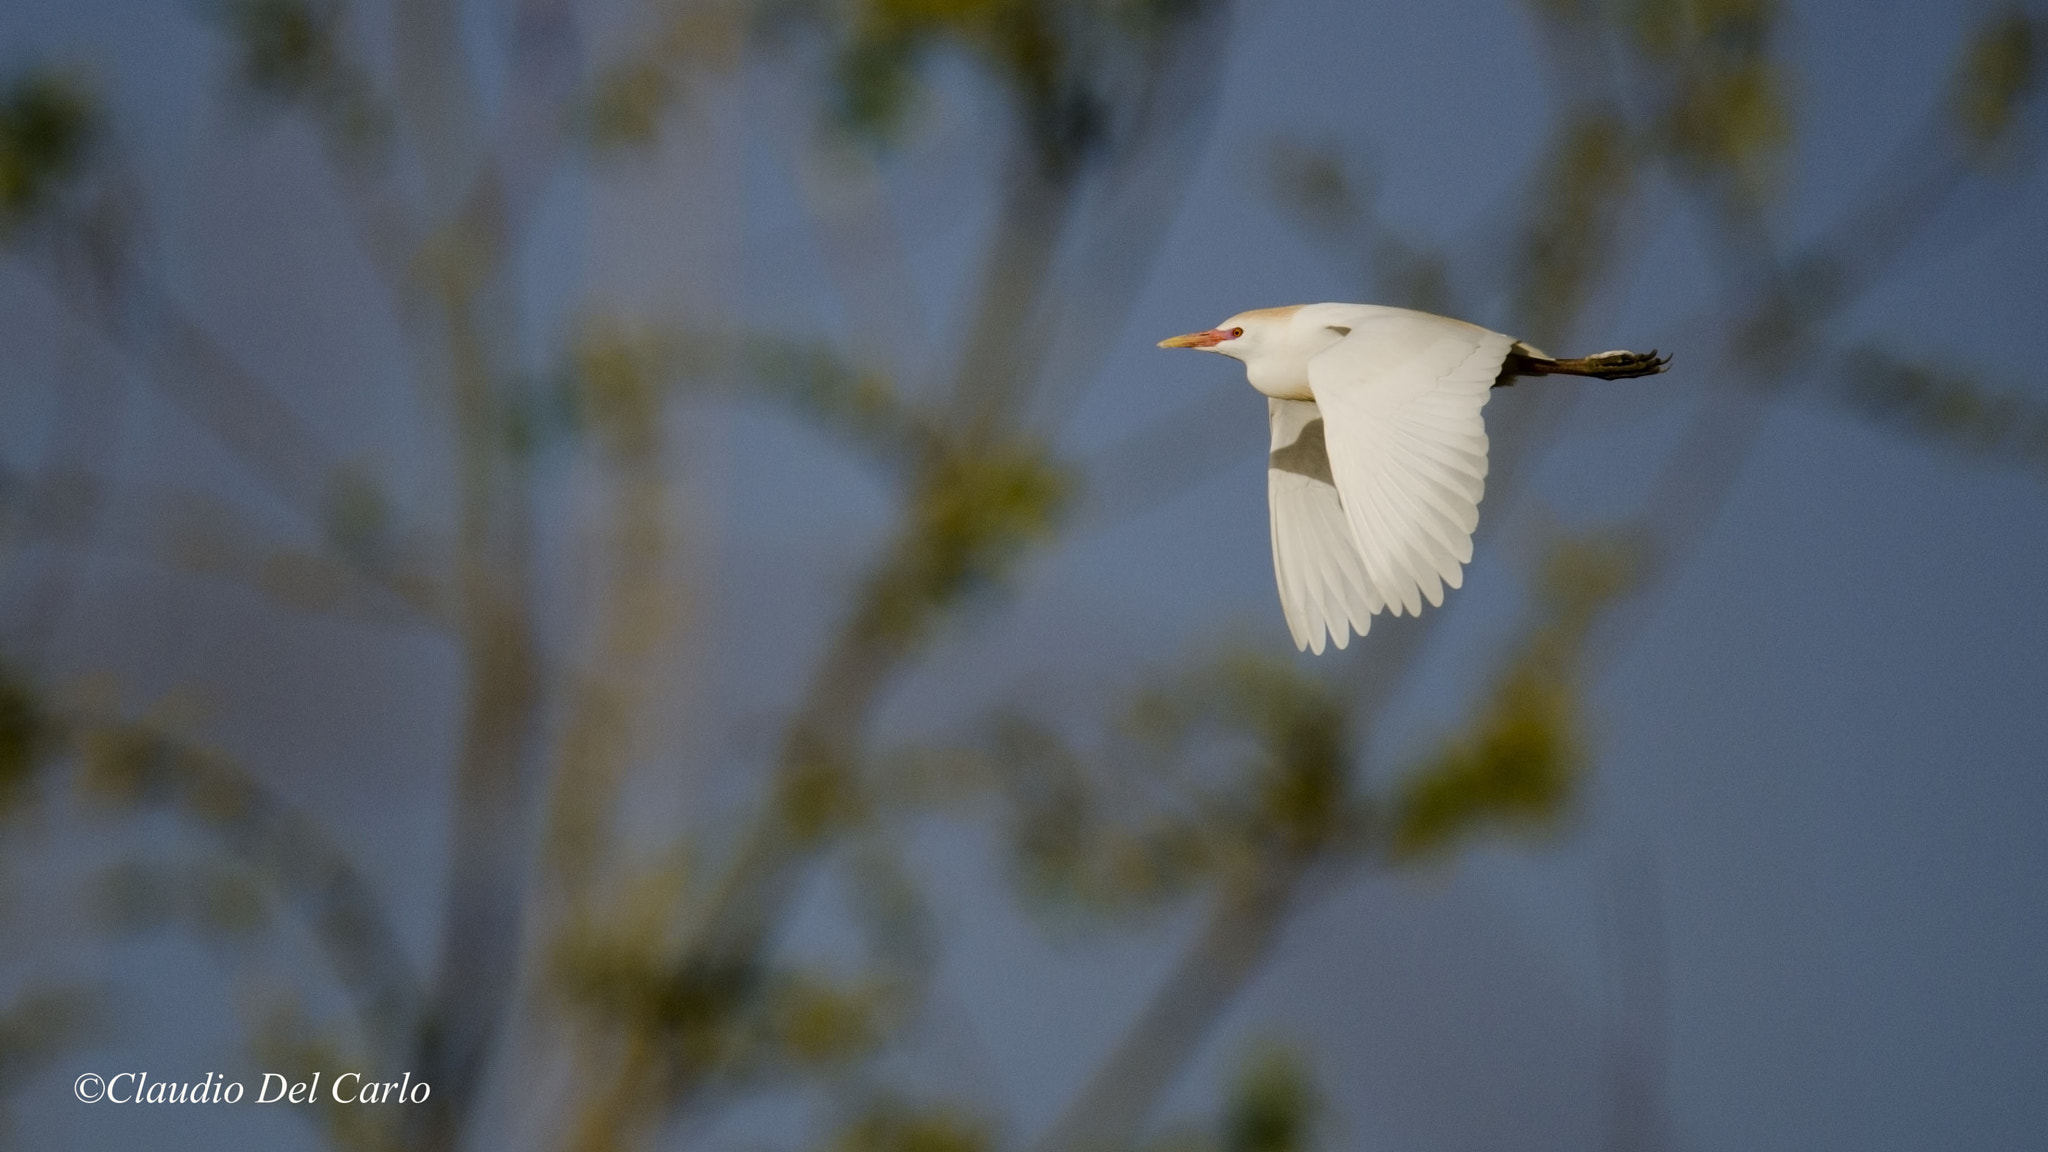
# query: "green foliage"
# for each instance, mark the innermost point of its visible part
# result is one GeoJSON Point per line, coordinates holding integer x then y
{"type": "Point", "coordinates": [24, 735]}
{"type": "Point", "coordinates": [1949, 406]}
{"type": "Point", "coordinates": [837, 396]}
{"type": "Point", "coordinates": [620, 373]}
{"type": "Point", "coordinates": [1724, 114]}
{"type": "Point", "coordinates": [267, 849]}
{"type": "Point", "coordinates": [296, 53]}
{"type": "Point", "coordinates": [877, 71]}
{"type": "Point", "coordinates": [1518, 760]}
{"type": "Point", "coordinates": [1073, 847]}
{"type": "Point", "coordinates": [623, 373]}
{"type": "Point", "coordinates": [816, 1022]}
{"type": "Point", "coordinates": [286, 1038]}
{"type": "Point", "coordinates": [818, 793]}
{"type": "Point", "coordinates": [1240, 764]}
{"type": "Point", "coordinates": [1299, 800]}
{"type": "Point", "coordinates": [47, 126]}
{"type": "Point", "coordinates": [1274, 1107]}
{"type": "Point", "coordinates": [629, 101]}
{"type": "Point", "coordinates": [1999, 71]}
{"type": "Point", "coordinates": [288, 46]}
{"type": "Point", "coordinates": [40, 1024]}
{"type": "Point", "coordinates": [972, 515]}
{"type": "Point", "coordinates": [707, 1019]}
{"type": "Point", "coordinates": [630, 97]}
{"type": "Point", "coordinates": [893, 1126]}
{"type": "Point", "coordinates": [1516, 764]}
{"type": "Point", "coordinates": [1057, 60]}
{"type": "Point", "coordinates": [692, 1012]}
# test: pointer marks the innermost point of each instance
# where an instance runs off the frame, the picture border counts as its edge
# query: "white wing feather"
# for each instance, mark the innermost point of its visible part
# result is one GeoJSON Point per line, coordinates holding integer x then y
{"type": "Point", "coordinates": [1400, 397]}
{"type": "Point", "coordinates": [1323, 584]}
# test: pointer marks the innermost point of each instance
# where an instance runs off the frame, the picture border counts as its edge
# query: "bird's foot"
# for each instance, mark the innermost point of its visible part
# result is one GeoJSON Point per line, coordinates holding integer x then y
{"type": "Point", "coordinates": [1619, 364]}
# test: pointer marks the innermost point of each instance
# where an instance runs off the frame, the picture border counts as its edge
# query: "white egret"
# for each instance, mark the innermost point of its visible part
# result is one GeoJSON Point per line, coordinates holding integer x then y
{"type": "Point", "coordinates": [1379, 453]}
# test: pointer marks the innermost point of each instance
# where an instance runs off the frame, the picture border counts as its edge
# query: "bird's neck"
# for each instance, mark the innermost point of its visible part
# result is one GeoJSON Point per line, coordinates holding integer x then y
{"type": "Point", "coordinates": [1281, 377]}
{"type": "Point", "coordinates": [1280, 369]}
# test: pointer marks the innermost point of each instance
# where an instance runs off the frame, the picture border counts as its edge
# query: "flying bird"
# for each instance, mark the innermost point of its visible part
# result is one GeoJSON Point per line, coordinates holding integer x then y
{"type": "Point", "coordinates": [1379, 453]}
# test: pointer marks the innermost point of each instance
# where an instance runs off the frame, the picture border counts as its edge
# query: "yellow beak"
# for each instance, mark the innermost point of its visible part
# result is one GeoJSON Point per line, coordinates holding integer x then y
{"type": "Point", "coordinates": [1209, 339]}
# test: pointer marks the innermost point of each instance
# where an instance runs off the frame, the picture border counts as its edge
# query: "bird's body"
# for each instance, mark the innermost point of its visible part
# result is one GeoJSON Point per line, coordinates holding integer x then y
{"type": "Point", "coordinates": [1378, 458]}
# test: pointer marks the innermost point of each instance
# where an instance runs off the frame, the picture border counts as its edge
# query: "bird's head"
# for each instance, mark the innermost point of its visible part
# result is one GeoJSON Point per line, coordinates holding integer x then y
{"type": "Point", "coordinates": [1244, 335]}
{"type": "Point", "coordinates": [1273, 346]}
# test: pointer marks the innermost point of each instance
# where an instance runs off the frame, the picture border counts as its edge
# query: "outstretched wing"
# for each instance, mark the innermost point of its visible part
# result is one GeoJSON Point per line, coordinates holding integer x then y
{"type": "Point", "coordinates": [1323, 586]}
{"type": "Point", "coordinates": [1400, 397]}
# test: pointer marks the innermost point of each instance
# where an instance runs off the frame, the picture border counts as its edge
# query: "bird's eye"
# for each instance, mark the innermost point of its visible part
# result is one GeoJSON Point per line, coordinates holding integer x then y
{"type": "Point", "coordinates": [1236, 332]}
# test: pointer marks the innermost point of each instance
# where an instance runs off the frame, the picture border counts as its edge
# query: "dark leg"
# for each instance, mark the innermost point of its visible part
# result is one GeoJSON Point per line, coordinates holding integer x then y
{"type": "Point", "coordinates": [1605, 366]}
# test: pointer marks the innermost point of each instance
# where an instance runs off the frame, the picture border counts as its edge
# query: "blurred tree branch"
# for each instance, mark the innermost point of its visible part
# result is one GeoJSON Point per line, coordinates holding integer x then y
{"type": "Point", "coordinates": [133, 767]}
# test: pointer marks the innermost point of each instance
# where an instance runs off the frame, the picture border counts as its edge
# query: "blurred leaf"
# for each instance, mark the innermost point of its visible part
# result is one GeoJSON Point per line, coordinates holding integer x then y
{"type": "Point", "coordinates": [893, 1126]}
{"type": "Point", "coordinates": [1274, 1106]}
{"type": "Point", "coordinates": [631, 97]}
{"type": "Point", "coordinates": [1241, 763]}
{"type": "Point", "coordinates": [1519, 759]}
{"type": "Point", "coordinates": [1070, 855]}
{"type": "Point", "coordinates": [1947, 406]}
{"type": "Point", "coordinates": [124, 767]}
{"type": "Point", "coordinates": [972, 516]}
{"type": "Point", "coordinates": [839, 397]}
{"type": "Point", "coordinates": [1052, 812]}
{"type": "Point", "coordinates": [272, 846]}
{"type": "Point", "coordinates": [24, 735]}
{"type": "Point", "coordinates": [693, 1012]}
{"type": "Point", "coordinates": [627, 967]}
{"type": "Point", "coordinates": [902, 936]}
{"type": "Point", "coordinates": [295, 53]}
{"type": "Point", "coordinates": [47, 126]}
{"type": "Point", "coordinates": [815, 1022]}
{"type": "Point", "coordinates": [1999, 71]}
{"type": "Point", "coordinates": [877, 72]}
{"type": "Point", "coordinates": [620, 373]}
{"type": "Point", "coordinates": [286, 1038]}
{"type": "Point", "coordinates": [1725, 114]}
{"type": "Point", "coordinates": [819, 791]}
{"type": "Point", "coordinates": [288, 46]}
{"type": "Point", "coordinates": [1060, 62]}
{"type": "Point", "coordinates": [1516, 764]}
{"type": "Point", "coordinates": [41, 1023]}
{"type": "Point", "coordinates": [628, 104]}
{"type": "Point", "coordinates": [1293, 790]}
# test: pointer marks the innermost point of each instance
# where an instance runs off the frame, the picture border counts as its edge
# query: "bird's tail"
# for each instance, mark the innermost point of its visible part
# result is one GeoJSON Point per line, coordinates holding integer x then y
{"type": "Point", "coordinates": [1523, 360]}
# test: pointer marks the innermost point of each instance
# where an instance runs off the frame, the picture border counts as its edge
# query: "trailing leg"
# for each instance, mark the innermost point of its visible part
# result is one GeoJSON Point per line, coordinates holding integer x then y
{"type": "Point", "coordinates": [1523, 360]}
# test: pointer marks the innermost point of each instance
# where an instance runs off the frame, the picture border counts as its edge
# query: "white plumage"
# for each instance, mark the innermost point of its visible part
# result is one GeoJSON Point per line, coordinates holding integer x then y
{"type": "Point", "coordinates": [1378, 458]}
